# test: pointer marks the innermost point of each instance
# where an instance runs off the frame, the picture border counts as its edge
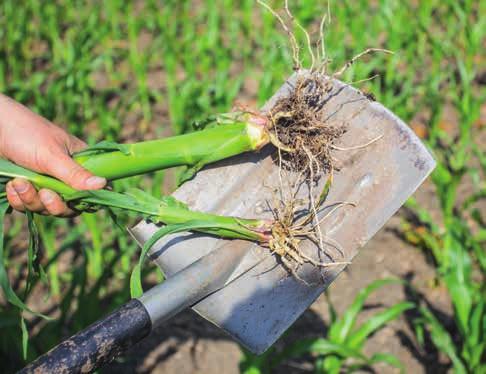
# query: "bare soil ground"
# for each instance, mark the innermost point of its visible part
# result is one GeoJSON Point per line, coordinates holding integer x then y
{"type": "Point", "coordinates": [189, 344]}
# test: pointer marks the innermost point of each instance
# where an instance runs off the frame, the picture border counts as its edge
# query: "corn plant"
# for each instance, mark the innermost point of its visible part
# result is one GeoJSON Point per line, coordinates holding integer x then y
{"type": "Point", "coordinates": [342, 347]}
{"type": "Point", "coordinates": [461, 263]}
{"type": "Point", "coordinates": [456, 243]}
{"type": "Point", "coordinates": [81, 65]}
{"type": "Point", "coordinates": [461, 266]}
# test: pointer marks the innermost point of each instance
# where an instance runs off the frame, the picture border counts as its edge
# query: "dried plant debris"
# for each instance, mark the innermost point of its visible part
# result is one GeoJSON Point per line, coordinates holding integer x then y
{"type": "Point", "coordinates": [298, 124]}
{"type": "Point", "coordinates": [298, 220]}
{"type": "Point", "coordinates": [305, 138]}
{"type": "Point", "coordinates": [299, 129]}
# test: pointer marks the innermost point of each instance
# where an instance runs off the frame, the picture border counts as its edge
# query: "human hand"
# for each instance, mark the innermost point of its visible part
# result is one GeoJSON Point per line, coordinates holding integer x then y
{"type": "Point", "coordinates": [33, 142]}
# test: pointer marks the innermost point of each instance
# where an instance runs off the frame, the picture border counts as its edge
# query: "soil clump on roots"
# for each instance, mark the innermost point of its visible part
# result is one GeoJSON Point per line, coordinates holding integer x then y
{"type": "Point", "coordinates": [299, 129]}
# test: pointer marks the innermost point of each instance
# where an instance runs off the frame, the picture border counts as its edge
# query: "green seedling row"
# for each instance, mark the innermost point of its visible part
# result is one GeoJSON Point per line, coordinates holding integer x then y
{"type": "Point", "coordinates": [129, 71]}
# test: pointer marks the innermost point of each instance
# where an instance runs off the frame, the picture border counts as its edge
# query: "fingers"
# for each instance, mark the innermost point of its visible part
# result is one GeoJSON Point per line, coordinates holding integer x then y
{"type": "Point", "coordinates": [13, 198]}
{"type": "Point", "coordinates": [75, 144]}
{"type": "Point", "coordinates": [54, 205]}
{"type": "Point", "coordinates": [22, 196]}
{"type": "Point", "coordinates": [66, 169]}
{"type": "Point", "coordinates": [26, 196]}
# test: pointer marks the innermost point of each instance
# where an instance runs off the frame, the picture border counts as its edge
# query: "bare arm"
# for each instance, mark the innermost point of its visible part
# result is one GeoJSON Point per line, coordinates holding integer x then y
{"type": "Point", "coordinates": [37, 144]}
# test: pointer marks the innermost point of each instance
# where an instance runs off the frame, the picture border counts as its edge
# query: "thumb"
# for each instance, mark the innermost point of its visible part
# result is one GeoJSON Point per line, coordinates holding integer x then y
{"type": "Point", "coordinates": [63, 167]}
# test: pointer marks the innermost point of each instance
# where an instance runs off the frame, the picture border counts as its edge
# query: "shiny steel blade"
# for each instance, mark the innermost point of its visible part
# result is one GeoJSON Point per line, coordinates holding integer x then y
{"type": "Point", "coordinates": [264, 299]}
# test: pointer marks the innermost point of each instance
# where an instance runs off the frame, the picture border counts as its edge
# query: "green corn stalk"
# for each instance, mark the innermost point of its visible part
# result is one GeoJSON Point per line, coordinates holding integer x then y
{"type": "Point", "coordinates": [176, 216]}
{"type": "Point", "coordinates": [167, 210]}
{"type": "Point", "coordinates": [225, 135]}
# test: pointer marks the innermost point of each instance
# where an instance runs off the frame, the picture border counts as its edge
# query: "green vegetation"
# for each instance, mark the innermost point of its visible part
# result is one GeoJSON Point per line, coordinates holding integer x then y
{"type": "Point", "coordinates": [224, 136]}
{"type": "Point", "coordinates": [342, 348]}
{"type": "Point", "coordinates": [140, 70]}
{"type": "Point", "coordinates": [456, 240]}
{"type": "Point", "coordinates": [167, 209]}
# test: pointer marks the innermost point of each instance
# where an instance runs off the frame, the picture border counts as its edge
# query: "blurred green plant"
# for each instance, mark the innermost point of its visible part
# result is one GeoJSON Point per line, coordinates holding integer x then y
{"type": "Point", "coordinates": [133, 70]}
{"type": "Point", "coordinates": [126, 71]}
{"type": "Point", "coordinates": [456, 240]}
{"type": "Point", "coordinates": [342, 348]}
{"type": "Point", "coordinates": [460, 258]}
{"type": "Point", "coordinates": [461, 266]}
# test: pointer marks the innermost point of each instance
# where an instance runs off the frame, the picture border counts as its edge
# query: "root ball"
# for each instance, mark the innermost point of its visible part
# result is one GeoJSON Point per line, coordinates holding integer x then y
{"type": "Point", "coordinates": [300, 130]}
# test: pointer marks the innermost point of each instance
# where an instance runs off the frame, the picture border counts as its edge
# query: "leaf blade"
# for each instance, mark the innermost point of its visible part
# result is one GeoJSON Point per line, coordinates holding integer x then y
{"type": "Point", "coordinates": [340, 330]}
{"type": "Point", "coordinates": [136, 289]}
{"type": "Point", "coordinates": [374, 323]}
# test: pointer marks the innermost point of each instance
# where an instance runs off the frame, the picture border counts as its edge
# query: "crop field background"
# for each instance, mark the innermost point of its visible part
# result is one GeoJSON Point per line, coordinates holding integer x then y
{"type": "Point", "coordinates": [415, 297]}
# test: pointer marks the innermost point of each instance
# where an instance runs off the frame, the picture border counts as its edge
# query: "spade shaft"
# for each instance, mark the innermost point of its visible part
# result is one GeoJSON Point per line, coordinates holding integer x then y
{"type": "Point", "coordinates": [105, 339]}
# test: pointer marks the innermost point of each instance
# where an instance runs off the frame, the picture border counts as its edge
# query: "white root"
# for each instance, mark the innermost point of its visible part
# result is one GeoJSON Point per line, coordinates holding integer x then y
{"type": "Point", "coordinates": [290, 230]}
{"type": "Point", "coordinates": [293, 41]}
{"type": "Point", "coordinates": [348, 64]}
{"type": "Point", "coordinates": [335, 147]}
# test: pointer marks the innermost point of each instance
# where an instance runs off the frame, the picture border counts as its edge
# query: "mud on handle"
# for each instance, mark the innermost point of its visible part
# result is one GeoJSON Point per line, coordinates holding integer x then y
{"type": "Point", "coordinates": [101, 342]}
{"type": "Point", "coordinates": [98, 344]}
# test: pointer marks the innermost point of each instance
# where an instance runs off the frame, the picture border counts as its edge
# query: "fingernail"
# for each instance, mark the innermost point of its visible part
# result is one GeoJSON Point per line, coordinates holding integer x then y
{"type": "Point", "coordinates": [95, 182]}
{"type": "Point", "coordinates": [47, 196]}
{"type": "Point", "coordinates": [20, 186]}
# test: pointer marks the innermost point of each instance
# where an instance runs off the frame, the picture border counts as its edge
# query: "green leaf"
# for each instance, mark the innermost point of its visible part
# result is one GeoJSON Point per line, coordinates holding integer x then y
{"type": "Point", "coordinates": [142, 196]}
{"type": "Point", "coordinates": [256, 364]}
{"type": "Point", "coordinates": [458, 280]}
{"type": "Point", "coordinates": [339, 331]}
{"type": "Point", "coordinates": [252, 370]}
{"type": "Point", "coordinates": [388, 359]}
{"type": "Point", "coordinates": [113, 199]}
{"type": "Point", "coordinates": [319, 346]}
{"type": "Point", "coordinates": [172, 202]}
{"type": "Point", "coordinates": [442, 340]}
{"type": "Point", "coordinates": [374, 323]}
{"type": "Point", "coordinates": [441, 174]}
{"type": "Point", "coordinates": [134, 200]}
{"type": "Point", "coordinates": [419, 331]}
{"type": "Point", "coordinates": [32, 250]}
{"type": "Point", "coordinates": [475, 329]}
{"type": "Point", "coordinates": [136, 289]}
{"type": "Point", "coordinates": [319, 365]}
{"type": "Point", "coordinates": [476, 354]}
{"type": "Point", "coordinates": [9, 293]}
{"type": "Point", "coordinates": [331, 365]}
{"type": "Point", "coordinates": [187, 175]}
{"type": "Point", "coordinates": [104, 147]}
{"type": "Point", "coordinates": [475, 339]}
{"type": "Point", "coordinates": [115, 219]}
{"type": "Point", "coordinates": [9, 170]}
{"type": "Point", "coordinates": [325, 190]}
{"type": "Point", "coordinates": [206, 123]}
{"type": "Point", "coordinates": [25, 338]}
{"type": "Point", "coordinates": [332, 311]}
{"type": "Point", "coordinates": [220, 119]}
